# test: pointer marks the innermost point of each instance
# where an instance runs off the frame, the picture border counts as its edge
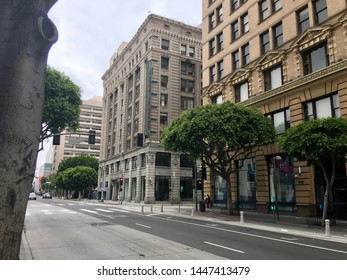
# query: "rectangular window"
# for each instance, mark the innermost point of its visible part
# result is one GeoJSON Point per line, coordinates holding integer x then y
{"type": "Point", "coordinates": [183, 49]}
{"type": "Point", "coordinates": [320, 11]}
{"type": "Point", "coordinates": [191, 51]}
{"type": "Point", "coordinates": [234, 5]}
{"type": "Point", "coordinates": [281, 121]}
{"type": "Point", "coordinates": [235, 30]}
{"type": "Point", "coordinates": [165, 44]}
{"type": "Point", "coordinates": [244, 24]}
{"type": "Point", "coordinates": [236, 60]}
{"type": "Point", "coordinates": [277, 32]}
{"type": "Point", "coordinates": [187, 85]}
{"type": "Point", "coordinates": [245, 54]}
{"type": "Point", "coordinates": [241, 92]}
{"type": "Point", "coordinates": [303, 20]}
{"type": "Point", "coordinates": [326, 107]}
{"type": "Point", "coordinates": [263, 10]}
{"type": "Point", "coordinates": [265, 42]}
{"type": "Point", "coordinates": [220, 69]}
{"type": "Point", "coordinates": [212, 44]}
{"type": "Point", "coordinates": [217, 99]}
{"type": "Point", "coordinates": [162, 159]}
{"type": "Point", "coordinates": [187, 103]}
{"type": "Point", "coordinates": [164, 81]}
{"type": "Point", "coordinates": [163, 99]}
{"type": "Point", "coordinates": [315, 59]}
{"type": "Point", "coordinates": [219, 12]}
{"type": "Point", "coordinates": [164, 62]}
{"type": "Point", "coordinates": [212, 21]}
{"type": "Point", "coordinates": [213, 74]}
{"type": "Point", "coordinates": [276, 5]}
{"type": "Point", "coordinates": [273, 78]}
{"type": "Point", "coordinates": [187, 68]}
{"type": "Point", "coordinates": [164, 118]}
{"type": "Point", "coordinates": [220, 42]}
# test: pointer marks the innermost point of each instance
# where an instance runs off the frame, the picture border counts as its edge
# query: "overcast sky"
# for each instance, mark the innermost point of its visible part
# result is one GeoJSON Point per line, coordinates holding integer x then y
{"type": "Point", "coordinates": [90, 31]}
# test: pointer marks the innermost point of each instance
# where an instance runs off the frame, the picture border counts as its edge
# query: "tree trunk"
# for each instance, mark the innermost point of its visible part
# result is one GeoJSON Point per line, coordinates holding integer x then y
{"type": "Point", "coordinates": [26, 36]}
{"type": "Point", "coordinates": [328, 187]}
{"type": "Point", "coordinates": [229, 197]}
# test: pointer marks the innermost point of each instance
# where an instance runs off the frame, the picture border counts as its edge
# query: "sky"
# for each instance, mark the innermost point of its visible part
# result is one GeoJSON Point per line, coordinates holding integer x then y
{"type": "Point", "coordinates": [90, 32]}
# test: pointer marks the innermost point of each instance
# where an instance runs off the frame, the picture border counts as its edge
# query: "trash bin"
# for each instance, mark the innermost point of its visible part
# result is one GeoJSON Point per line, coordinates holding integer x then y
{"type": "Point", "coordinates": [202, 206]}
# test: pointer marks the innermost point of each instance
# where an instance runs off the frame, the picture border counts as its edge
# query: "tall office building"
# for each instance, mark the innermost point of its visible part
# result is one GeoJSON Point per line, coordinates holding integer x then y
{"type": "Point", "coordinates": [77, 144]}
{"type": "Point", "coordinates": [150, 81]}
{"type": "Point", "coordinates": [287, 58]}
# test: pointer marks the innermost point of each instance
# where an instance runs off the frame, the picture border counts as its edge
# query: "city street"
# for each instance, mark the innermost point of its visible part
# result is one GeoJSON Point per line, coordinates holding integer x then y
{"type": "Point", "coordinates": [66, 229]}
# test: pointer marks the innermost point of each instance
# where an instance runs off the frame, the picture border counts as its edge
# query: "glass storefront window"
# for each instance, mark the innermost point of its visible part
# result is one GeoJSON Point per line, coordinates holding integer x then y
{"type": "Point", "coordinates": [246, 184]}
{"type": "Point", "coordinates": [281, 176]}
{"type": "Point", "coordinates": [220, 192]}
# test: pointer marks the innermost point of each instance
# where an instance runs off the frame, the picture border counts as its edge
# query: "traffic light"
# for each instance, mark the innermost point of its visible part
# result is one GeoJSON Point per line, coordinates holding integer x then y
{"type": "Point", "coordinates": [203, 173]}
{"type": "Point", "coordinates": [91, 138]}
{"type": "Point", "coordinates": [56, 139]}
{"type": "Point", "coordinates": [121, 181]}
{"type": "Point", "coordinates": [199, 184]}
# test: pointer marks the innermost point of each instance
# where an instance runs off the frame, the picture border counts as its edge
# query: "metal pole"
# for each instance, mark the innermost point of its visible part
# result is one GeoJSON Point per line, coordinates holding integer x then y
{"type": "Point", "coordinates": [327, 228]}
{"type": "Point", "coordinates": [241, 217]}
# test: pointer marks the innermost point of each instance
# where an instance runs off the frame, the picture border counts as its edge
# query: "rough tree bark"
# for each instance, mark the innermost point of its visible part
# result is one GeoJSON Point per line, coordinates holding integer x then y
{"type": "Point", "coordinates": [26, 36]}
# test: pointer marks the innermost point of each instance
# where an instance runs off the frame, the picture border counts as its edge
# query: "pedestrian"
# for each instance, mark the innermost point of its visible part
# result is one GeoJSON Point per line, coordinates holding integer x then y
{"type": "Point", "coordinates": [208, 201]}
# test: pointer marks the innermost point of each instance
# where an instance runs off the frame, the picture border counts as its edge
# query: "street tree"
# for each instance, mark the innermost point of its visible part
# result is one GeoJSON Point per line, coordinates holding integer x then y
{"type": "Point", "coordinates": [79, 178]}
{"type": "Point", "coordinates": [82, 160]}
{"type": "Point", "coordinates": [316, 141]}
{"type": "Point", "coordinates": [62, 104]}
{"type": "Point", "coordinates": [26, 36]}
{"type": "Point", "coordinates": [219, 134]}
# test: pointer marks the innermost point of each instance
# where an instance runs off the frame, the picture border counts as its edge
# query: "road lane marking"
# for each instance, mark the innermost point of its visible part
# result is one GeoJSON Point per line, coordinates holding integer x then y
{"type": "Point", "coordinates": [224, 247]}
{"type": "Point", "coordinates": [258, 236]}
{"type": "Point", "coordinates": [141, 225]}
{"type": "Point", "coordinates": [291, 239]}
{"type": "Point", "coordinates": [104, 210]}
{"type": "Point", "coordinates": [119, 210]}
{"type": "Point", "coordinates": [89, 211]}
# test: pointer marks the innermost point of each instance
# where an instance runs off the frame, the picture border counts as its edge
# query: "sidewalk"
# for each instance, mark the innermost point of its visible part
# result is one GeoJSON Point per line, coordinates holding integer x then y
{"type": "Point", "coordinates": [265, 221]}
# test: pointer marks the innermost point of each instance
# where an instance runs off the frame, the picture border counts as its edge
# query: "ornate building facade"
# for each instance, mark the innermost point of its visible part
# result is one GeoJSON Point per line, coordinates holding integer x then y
{"type": "Point", "coordinates": [150, 81]}
{"type": "Point", "coordinates": [288, 59]}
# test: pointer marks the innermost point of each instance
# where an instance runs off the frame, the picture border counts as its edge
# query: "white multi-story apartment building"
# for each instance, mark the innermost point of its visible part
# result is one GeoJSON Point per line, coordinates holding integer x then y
{"type": "Point", "coordinates": [150, 81]}
{"type": "Point", "coordinates": [77, 144]}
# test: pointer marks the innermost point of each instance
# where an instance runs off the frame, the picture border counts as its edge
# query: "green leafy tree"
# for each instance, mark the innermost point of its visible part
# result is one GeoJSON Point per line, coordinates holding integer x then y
{"type": "Point", "coordinates": [315, 140]}
{"type": "Point", "coordinates": [219, 134]}
{"type": "Point", "coordinates": [82, 160]}
{"type": "Point", "coordinates": [62, 104]}
{"type": "Point", "coordinates": [79, 178]}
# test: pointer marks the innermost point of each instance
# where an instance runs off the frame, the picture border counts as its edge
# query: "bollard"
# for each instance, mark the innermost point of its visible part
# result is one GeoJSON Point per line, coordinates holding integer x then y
{"type": "Point", "coordinates": [142, 209]}
{"type": "Point", "coordinates": [179, 208]}
{"type": "Point", "coordinates": [162, 208]}
{"type": "Point", "coordinates": [192, 212]}
{"type": "Point", "coordinates": [151, 208]}
{"type": "Point", "coordinates": [241, 217]}
{"type": "Point", "coordinates": [327, 228]}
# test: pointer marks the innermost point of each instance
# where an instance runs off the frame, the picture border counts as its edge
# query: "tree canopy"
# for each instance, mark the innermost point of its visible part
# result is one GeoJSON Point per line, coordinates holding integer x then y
{"type": "Point", "coordinates": [82, 160]}
{"type": "Point", "coordinates": [314, 141]}
{"type": "Point", "coordinates": [62, 104]}
{"type": "Point", "coordinates": [219, 134]}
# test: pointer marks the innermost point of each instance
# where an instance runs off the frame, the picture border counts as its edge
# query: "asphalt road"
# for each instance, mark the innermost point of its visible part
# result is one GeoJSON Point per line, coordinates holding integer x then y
{"type": "Point", "coordinates": [64, 229]}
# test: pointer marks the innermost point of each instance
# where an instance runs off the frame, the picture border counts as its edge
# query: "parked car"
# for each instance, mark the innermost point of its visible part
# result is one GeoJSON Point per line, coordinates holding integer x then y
{"type": "Point", "coordinates": [47, 195]}
{"type": "Point", "coordinates": [32, 196]}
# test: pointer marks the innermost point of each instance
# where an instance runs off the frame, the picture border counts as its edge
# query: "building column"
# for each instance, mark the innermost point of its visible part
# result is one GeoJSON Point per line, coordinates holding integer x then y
{"type": "Point", "coordinates": [175, 179]}
{"type": "Point", "coordinates": [150, 178]}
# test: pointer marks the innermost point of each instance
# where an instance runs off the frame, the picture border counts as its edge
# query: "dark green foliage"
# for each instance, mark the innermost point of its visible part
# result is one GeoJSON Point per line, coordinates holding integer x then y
{"type": "Point", "coordinates": [82, 160]}
{"type": "Point", "coordinates": [62, 104]}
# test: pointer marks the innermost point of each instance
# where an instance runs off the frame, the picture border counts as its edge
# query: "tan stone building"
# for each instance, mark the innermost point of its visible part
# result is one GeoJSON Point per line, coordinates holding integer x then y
{"type": "Point", "coordinates": [77, 144]}
{"type": "Point", "coordinates": [289, 59]}
{"type": "Point", "coordinates": [150, 81]}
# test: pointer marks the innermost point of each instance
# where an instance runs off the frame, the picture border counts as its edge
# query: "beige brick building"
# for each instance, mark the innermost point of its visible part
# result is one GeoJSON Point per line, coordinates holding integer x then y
{"type": "Point", "coordinates": [72, 145]}
{"type": "Point", "coordinates": [289, 59]}
{"type": "Point", "coordinates": [150, 81]}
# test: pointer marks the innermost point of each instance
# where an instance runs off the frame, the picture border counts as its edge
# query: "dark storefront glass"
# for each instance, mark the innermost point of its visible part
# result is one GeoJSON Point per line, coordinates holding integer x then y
{"type": "Point", "coordinates": [246, 184]}
{"type": "Point", "coordinates": [281, 174]}
{"type": "Point", "coordinates": [220, 192]}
